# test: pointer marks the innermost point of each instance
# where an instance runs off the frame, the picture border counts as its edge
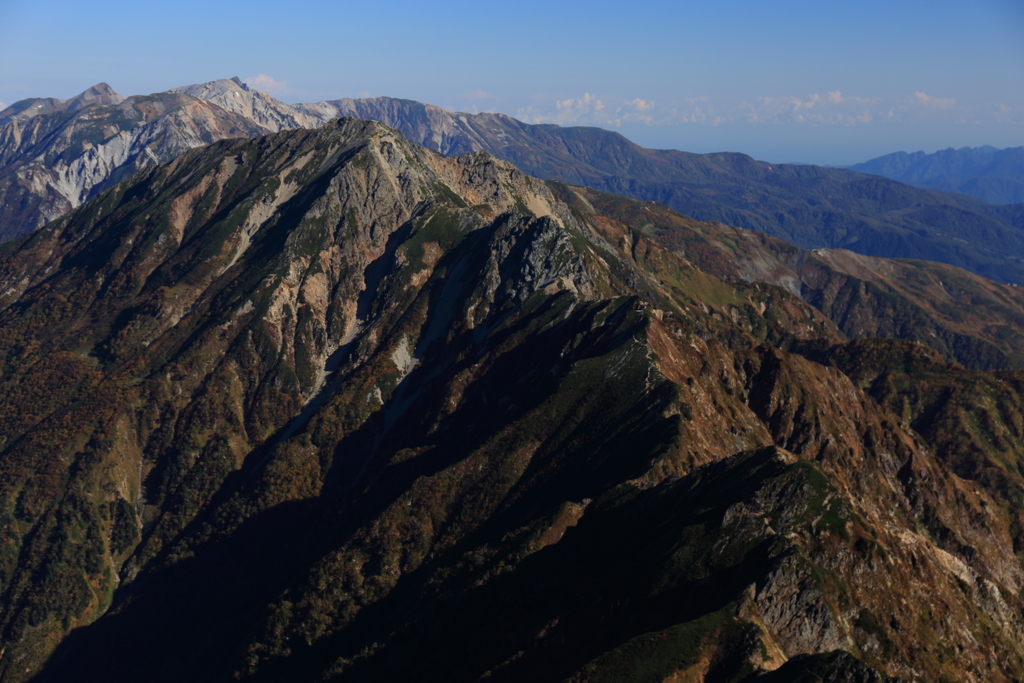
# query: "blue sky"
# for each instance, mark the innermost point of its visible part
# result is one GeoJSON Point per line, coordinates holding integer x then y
{"type": "Point", "coordinates": [819, 82]}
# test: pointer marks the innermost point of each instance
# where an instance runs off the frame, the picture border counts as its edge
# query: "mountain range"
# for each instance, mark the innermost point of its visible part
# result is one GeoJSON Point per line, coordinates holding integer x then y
{"type": "Point", "coordinates": [53, 160]}
{"type": "Point", "coordinates": [324, 404]}
{"type": "Point", "coordinates": [992, 175]}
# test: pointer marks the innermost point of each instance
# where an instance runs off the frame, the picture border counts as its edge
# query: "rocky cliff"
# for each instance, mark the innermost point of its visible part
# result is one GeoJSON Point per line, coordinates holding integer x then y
{"type": "Point", "coordinates": [966, 318]}
{"type": "Point", "coordinates": [328, 405]}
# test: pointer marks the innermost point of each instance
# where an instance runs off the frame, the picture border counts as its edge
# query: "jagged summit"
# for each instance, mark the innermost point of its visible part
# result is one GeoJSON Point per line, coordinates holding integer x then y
{"type": "Point", "coordinates": [99, 94]}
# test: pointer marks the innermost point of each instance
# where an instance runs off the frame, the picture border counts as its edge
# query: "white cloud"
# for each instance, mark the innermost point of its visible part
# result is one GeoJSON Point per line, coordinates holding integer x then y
{"type": "Point", "coordinates": [594, 110]}
{"type": "Point", "coordinates": [265, 83]}
{"type": "Point", "coordinates": [921, 106]}
{"type": "Point", "coordinates": [697, 110]}
{"type": "Point", "coordinates": [1005, 114]}
{"type": "Point", "coordinates": [475, 101]}
{"type": "Point", "coordinates": [814, 109]}
{"type": "Point", "coordinates": [833, 108]}
{"type": "Point", "coordinates": [2, 106]}
{"type": "Point", "coordinates": [567, 111]}
{"type": "Point", "coordinates": [929, 101]}
{"type": "Point", "coordinates": [478, 95]}
{"type": "Point", "coordinates": [577, 108]}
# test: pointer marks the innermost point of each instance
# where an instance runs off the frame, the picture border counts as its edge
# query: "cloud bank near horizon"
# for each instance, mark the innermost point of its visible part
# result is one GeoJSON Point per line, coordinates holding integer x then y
{"type": "Point", "coordinates": [832, 108]}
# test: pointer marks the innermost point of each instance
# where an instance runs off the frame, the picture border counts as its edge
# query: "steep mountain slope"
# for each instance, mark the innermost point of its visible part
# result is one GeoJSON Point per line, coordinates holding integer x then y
{"type": "Point", "coordinates": [992, 175]}
{"type": "Point", "coordinates": [809, 206]}
{"type": "Point", "coordinates": [325, 405]}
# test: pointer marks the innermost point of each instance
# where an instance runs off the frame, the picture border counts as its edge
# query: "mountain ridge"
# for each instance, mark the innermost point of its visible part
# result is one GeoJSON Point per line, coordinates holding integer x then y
{"type": "Point", "coordinates": [327, 404]}
{"type": "Point", "coordinates": [992, 175]}
{"type": "Point", "coordinates": [99, 94]}
{"type": "Point", "coordinates": [812, 207]}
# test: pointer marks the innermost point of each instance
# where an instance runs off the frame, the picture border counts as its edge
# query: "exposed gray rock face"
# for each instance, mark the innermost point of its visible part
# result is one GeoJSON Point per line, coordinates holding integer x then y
{"type": "Point", "coordinates": [232, 95]}
{"type": "Point", "coordinates": [55, 154]}
{"type": "Point", "coordinates": [797, 612]}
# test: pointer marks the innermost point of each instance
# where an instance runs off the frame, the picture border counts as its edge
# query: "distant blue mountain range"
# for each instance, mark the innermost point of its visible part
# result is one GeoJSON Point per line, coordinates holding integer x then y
{"type": "Point", "coordinates": [992, 175]}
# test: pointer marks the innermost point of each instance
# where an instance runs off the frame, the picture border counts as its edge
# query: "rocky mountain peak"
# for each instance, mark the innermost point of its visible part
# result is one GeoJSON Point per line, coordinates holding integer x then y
{"type": "Point", "coordinates": [22, 110]}
{"type": "Point", "coordinates": [29, 108]}
{"type": "Point", "coordinates": [212, 89]}
{"type": "Point", "coordinates": [232, 95]}
{"type": "Point", "coordinates": [101, 94]}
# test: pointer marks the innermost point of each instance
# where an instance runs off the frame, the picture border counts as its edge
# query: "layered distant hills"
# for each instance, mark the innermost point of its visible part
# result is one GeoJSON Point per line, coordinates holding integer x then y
{"type": "Point", "coordinates": [55, 154]}
{"type": "Point", "coordinates": [325, 405]}
{"type": "Point", "coordinates": [992, 175]}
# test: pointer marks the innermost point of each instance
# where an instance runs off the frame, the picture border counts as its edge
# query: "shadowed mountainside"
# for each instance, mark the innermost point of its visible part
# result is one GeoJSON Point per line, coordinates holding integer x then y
{"type": "Point", "coordinates": [328, 405]}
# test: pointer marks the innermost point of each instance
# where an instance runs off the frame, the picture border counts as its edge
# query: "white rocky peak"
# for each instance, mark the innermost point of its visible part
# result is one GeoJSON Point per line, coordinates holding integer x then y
{"type": "Point", "coordinates": [101, 94]}
{"type": "Point", "coordinates": [22, 110]}
{"type": "Point", "coordinates": [214, 90]}
{"type": "Point", "coordinates": [58, 164]}
{"type": "Point", "coordinates": [231, 94]}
